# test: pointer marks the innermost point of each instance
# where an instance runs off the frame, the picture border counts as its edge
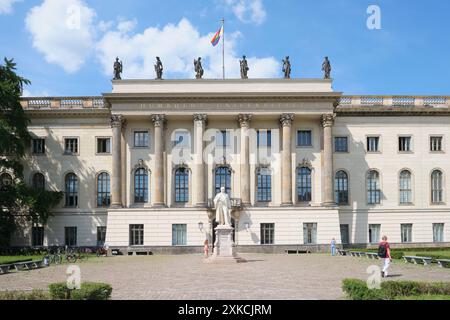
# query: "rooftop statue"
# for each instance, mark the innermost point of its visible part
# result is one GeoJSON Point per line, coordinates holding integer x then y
{"type": "Point", "coordinates": [158, 69]}
{"type": "Point", "coordinates": [117, 69]}
{"type": "Point", "coordinates": [198, 68]}
{"type": "Point", "coordinates": [287, 68]}
{"type": "Point", "coordinates": [326, 68]}
{"type": "Point", "coordinates": [244, 68]}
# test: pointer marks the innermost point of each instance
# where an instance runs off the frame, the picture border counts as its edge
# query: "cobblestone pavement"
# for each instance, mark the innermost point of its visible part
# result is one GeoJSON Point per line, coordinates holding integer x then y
{"type": "Point", "coordinates": [314, 276]}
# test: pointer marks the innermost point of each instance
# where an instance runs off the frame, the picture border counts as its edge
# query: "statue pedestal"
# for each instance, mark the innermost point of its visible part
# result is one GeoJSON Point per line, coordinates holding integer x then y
{"type": "Point", "coordinates": [224, 249]}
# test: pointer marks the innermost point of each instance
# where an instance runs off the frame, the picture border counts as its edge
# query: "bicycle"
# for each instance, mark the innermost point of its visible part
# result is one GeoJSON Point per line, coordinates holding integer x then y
{"type": "Point", "coordinates": [73, 255]}
{"type": "Point", "coordinates": [54, 256]}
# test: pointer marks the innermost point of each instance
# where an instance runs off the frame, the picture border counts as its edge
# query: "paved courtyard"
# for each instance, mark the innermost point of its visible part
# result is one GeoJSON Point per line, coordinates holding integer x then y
{"type": "Point", "coordinates": [276, 277]}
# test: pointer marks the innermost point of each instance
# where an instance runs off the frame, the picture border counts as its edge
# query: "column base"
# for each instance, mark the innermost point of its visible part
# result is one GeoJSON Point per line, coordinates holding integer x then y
{"type": "Point", "coordinates": [287, 204]}
{"type": "Point", "coordinates": [116, 206]}
{"type": "Point", "coordinates": [200, 205]}
{"type": "Point", "coordinates": [159, 205]}
{"type": "Point", "coordinates": [329, 204]}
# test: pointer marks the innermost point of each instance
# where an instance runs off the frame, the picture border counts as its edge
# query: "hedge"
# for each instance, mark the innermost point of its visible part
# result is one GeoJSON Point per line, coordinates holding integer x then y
{"type": "Point", "coordinates": [356, 289]}
{"type": "Point", "coordinates": [88, 291]}
{"type": "Point", "coordinates": [20, 295]}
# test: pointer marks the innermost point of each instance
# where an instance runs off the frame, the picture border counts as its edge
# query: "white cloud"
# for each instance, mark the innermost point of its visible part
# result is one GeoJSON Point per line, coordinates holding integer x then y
{"type": "Point", "coordinates": [6, 6]}
{"type": "Point", "coordinates": [248, 11]}
{"type": "Point", "coordinates": [177, 46]}
{"type": "Point", "coordinates": [63, 31]}
{"type": "Point", "coordinates": [66, 33]}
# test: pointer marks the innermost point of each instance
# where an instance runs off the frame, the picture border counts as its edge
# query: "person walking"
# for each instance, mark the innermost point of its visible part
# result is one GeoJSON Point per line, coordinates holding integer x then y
{"type": "Point", "coordinates": [206, 248]}
{"type": "Point", "coordinates": [384, 252]}
{"type": "Point", "coordinates": [333, 246]}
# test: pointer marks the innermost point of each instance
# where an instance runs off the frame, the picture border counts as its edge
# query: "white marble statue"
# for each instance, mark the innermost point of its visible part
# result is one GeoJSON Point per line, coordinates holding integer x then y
{"type": "Point", "coordinates": [222, 203]}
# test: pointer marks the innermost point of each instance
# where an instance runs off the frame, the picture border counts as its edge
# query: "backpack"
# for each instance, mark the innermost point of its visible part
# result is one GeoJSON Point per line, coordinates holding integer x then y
{"type": "Point", "coordinates": [382, 252]}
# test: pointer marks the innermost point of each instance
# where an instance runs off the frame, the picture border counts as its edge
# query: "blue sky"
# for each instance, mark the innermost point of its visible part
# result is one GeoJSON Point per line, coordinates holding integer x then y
{"type": "Point", "coordinates": [408, 55]}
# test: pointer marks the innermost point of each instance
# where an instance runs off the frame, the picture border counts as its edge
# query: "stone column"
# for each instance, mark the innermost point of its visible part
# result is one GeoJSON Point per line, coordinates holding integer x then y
{"type": "Point", "coordinates": [286, 160]}
{"type": "Point", "coordinates": [244, 122]}
{"type": "Point", "coordinates": [199, 178]}
{"type": "Point", "coordinates": [158, 175]}
{"type": "Point", "coordinates": [117, 122]}
{"type": "Point", "coordinates": [124, 166]}
{"type": "Point", "coordinates": [327, 123]}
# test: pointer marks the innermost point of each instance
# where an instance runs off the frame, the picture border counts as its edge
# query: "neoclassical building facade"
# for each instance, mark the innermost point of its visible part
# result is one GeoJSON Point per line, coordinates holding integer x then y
{"type": "Point", "coordinates": [303, 164]}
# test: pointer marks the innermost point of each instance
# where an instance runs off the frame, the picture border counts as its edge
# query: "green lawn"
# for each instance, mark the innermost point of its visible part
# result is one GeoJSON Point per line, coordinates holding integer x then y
{"type": "Point", "coordinates": [11, 259]}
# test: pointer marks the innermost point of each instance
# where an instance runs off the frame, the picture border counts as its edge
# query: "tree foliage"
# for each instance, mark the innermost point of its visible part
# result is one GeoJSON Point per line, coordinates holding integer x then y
{"type": "Point", "coordinates": [18, 201]}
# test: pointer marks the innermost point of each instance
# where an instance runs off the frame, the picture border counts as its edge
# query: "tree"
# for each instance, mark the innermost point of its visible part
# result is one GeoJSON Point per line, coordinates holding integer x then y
{"type": "Point", "coordinates": [18, 201]}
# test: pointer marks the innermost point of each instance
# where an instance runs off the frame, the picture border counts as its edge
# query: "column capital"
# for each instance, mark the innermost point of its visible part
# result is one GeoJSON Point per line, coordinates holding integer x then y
{"type": "Point", "coordinates": [200, 117]}
{"type": "Point", "coordinates": [328, 119]}
{"type": "Point", "coordinates": [244, 120]}
{"type": "Point", "coordinates": [158, 120]}
{"type": "Point", "coordinates": [117, 121]}
{"type": "Point", "coordinates": [286, 119]}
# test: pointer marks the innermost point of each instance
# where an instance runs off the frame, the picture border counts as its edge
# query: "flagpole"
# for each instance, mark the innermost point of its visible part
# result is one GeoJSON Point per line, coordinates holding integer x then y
{"type": "Point", "coordinates": [223, 48]}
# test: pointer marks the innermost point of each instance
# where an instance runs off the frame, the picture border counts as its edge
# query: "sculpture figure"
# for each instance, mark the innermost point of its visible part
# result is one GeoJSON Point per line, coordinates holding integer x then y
{"type": "Point", "coordinates": [198, 68]}
{"type": "Point", "coordinates": [158, 69]}
{"type": "Point", "coordinates": [222, 203]}
{"type": "Point", "coordinates": [244, 68]}
{"type": "Point", "coordinates": [326, 68]}
{"type": "Point", "coordinates": [287, 68]}
{"type": "Point", "coordinates": [117, 69]}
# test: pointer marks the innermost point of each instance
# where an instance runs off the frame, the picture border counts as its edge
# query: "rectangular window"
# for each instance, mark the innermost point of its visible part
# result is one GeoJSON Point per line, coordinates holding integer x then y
{"type": "Point", "coordinates": [141, 139]}
{"type": "Point", "coordinates": [179, 234]}
{"type": "Point", "coordinates": [406, 230]}
{"type": "Point", "coordinates": [438, 232]}
{"type": "Point", "coordinates": [223, 139]}
{"type": "Point", "coordinates": [38, 146]}
{"type": "Point", "coordinates": [70, 236]}
{"type": "Point", "coordinates": [404, 144]}
{"type": "Point", "coordinates": [435, 144]}
{"type": "Point", "coordinates": [374, 233]}
{"type": "Point", "coordinates": [136, 234]}
{"type": "Point", "coordinates": [340, 144]}
{"type": "Point", "coordinates": [264, 185]}
{"type": "Point", "coordinates": [373, 144]}
{"type": "Point", "coordinates": [101, 236]}
{"type": "Point", "coordinates": [267, 233]}
{"type": "Point", "coordinates": [304, 138]}
{"type": "Point", "coordinates": [37, 236]}
{"type": "Point", "coordinates": [264, 138]}
{"type": "Point", "coordinates": [345, 234]}
{"type": "Point", "coordinates": [103, 145]}
{"type": "Point", "coordinates": [181, 139]}
{"type": "Point", "coordinates": [71, 146]}
{"type": "Point", "coordinates": [310, 233]}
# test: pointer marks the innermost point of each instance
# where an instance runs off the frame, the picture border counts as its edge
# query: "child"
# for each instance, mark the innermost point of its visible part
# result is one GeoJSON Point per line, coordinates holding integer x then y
{"type": "Point", "coordinates": [206, 248]}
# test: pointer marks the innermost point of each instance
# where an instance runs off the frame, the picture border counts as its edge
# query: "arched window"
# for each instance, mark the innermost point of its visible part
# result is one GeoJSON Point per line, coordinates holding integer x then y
{"type": "Point", "coordinates": [38, 181]}
{"type": "Point", "coordinates": [304, 184]}
{"type": "Point", "coordinates": [71, 190]}
{"type": "Point", "coordinates": [181, 185]}
{"type": "Point", "coordinates": [437, 190]}
{"type": "Point", "coordinates": [140, 186]}
{"type": "Point", "coordinates": [341, 187]}
{"type": "Point", "coordinates": [373, 187]}
{"type": "Point", "coordinates": [222, 178]}
{"type": "Point", "coordinates": [405, 187]}
{"type": "Point", "coordinates": [264, 185]}
{"type": "Point", "coordinates": [103, 190]}
{"type": "Point", "coordinates": [5, 180]}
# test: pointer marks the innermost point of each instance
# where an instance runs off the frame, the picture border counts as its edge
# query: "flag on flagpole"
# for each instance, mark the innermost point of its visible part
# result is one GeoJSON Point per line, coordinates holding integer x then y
{"type": "Point", "coordinates": [215, 40]}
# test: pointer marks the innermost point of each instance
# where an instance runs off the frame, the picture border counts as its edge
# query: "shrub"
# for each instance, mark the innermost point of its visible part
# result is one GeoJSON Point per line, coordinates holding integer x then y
{"type": "Point", "coordinates": [357, 290]}
{"type": "Point", "coordinates": [396, 254]}
{"type": "Point", "coordinates": [88, 291]}
{"type": "Point", "coordinates": [20, 295]}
